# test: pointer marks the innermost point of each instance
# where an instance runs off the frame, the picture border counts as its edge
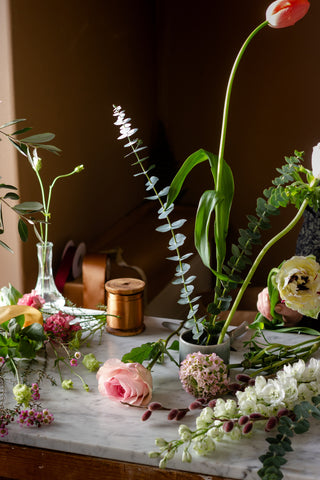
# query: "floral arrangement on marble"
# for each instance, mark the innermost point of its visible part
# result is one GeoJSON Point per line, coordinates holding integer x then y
{"type": "Point", "coordinates": [27, 339]}
{"type": "Point", "coordinates": [295, 185]}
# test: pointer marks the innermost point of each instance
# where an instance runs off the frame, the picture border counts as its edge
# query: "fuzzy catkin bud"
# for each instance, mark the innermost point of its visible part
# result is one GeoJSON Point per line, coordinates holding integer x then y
{"type": "Point", "coordinates": [233, 387]}
{"type": "Point", "coordinates": [146, 415]}
{"type": "Point", "coordinates": [242, 377]}
{"type": "Point", "coordinates": [212, 403]}
{"type": "Point", "coordinates": [228, 426]}
{"type": "Point", "coordinates": [172, 414]}
{"type": "Point", "coordinates": [181, 414]}
{"type": "Point", "coordinates": [195, 405]}
{"type": "Point", "coordinates": [243, 420]}
{"type": "Point", "coordinates": [154, 406]}
{"type": "Point", "coordinates": [247, 428]}
{"type": "Point", "coordinates": [271, 423]}
{"type": "Point", "coordinates": [256, 416]}
{"type": "Point", "coordinates": [283, 412]}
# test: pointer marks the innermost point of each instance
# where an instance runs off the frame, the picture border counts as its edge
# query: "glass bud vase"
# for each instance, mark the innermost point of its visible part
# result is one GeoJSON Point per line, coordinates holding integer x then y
{"type": "Point", "coordinates": [45, 286]}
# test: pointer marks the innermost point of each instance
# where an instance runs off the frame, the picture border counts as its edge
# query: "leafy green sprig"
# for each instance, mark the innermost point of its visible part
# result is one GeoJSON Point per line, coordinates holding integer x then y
{"type": "Point", "coordinates": [265, 357]}
{"type": "Point", "coordinates": [24, 146]}
{"type": "Point", "coordinates": [280, 445]}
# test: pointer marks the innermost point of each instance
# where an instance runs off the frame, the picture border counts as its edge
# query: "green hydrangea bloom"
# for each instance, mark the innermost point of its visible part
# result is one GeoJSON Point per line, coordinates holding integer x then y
{"type": "Point", "coordinates": [90, 362]}
{"type": "Point", "coordinates": [22, 393]}
{"type": "Point", "coordinates": [67, 384]}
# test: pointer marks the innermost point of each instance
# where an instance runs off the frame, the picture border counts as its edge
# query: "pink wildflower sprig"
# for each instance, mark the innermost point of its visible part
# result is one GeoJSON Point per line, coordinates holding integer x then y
{"type": "Point", "coordinates": [34, 416]}
{"type": "Point", "coordinates": [59, 327]}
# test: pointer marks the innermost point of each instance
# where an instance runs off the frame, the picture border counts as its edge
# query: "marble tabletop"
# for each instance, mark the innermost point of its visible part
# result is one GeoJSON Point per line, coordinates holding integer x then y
{"type": "Point", "coordinates": [89, 424]}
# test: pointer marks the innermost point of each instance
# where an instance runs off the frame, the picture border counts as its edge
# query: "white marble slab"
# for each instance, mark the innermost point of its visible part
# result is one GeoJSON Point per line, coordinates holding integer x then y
{"type": "Point", "coordinates": [89, 424]}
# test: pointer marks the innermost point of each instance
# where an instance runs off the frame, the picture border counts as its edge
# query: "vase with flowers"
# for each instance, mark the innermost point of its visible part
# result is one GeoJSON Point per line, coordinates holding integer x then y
{"type": "Point", "coordinates": [295, 185]}
{"type": "Point", "coordinates": [28, 147]}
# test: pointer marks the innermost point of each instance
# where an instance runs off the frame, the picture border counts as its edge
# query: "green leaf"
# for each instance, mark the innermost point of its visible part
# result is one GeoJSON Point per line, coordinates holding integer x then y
{"type": "Point", "coordinates": [34, 332]}
{"type": "Point", "coordinates": [140, 354]}
{"type": "Point", "coordinates": [21, 148]}
{"type": "Point", "coordinates": [174, 345]}
{"type": "Point", "coordinates": [38, 138]}
{"type": "Point", "coordinates": [4, 245]}
{"type": "Point", "coordinates": [5, 185]}
{"type": "Point", "coordinates": [23, 230]}
{"type": "Point", "coordinates": [28, 207]}
{"type": "Point", "coordinates": [194, 159]}
{"type": "Point", "coordinates": [22, 130]}
{"type": "Point", "coordinates": [13, 122]}
{"type": "Point", "coordinates": [12, 196]}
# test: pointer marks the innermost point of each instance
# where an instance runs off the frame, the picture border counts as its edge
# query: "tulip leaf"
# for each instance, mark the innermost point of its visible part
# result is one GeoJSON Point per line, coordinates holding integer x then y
{"type": "Point", "coordinates": [207, 204]}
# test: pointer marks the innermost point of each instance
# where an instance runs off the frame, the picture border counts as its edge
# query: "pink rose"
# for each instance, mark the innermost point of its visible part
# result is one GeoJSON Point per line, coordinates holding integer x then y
{"type": "Point", "coordinates": [125, 382]}
{"type": "Point", "coordinates": [284, 13]}
{"type": "Point", "coordinates": [32, 300]}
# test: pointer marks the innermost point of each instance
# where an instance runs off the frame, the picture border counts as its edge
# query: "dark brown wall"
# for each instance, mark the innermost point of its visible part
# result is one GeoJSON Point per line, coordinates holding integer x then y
{"type": "Point", "coordinates": [167, 62]}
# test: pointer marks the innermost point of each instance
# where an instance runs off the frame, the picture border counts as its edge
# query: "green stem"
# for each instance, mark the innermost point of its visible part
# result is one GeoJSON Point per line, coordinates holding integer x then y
{"type": "Point", "coordinates": [257, 261]}
{"type": "Point", "coordinates": [227, 102]}
{"type": "Point", "coordinates": [224, 132]}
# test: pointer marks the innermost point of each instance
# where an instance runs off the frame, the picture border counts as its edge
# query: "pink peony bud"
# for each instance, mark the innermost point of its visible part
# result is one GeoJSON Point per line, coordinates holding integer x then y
{"type": "Point", "coordinates": [284, 13]}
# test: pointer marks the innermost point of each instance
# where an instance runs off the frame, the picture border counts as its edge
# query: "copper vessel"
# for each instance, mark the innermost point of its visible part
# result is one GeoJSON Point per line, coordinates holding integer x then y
{"type": "Point", "coordinates": [125, 306]}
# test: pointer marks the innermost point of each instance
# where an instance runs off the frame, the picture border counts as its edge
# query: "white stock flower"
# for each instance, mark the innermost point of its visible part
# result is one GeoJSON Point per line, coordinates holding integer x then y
{"type": "Point", "coordinates": [225, 409]}
{"type": "Point", "coordinates": [203, 445]}
{"type": "Point", "coordinates": [315, 161]}
{"type": "Point", "coordinates": [298, 282]}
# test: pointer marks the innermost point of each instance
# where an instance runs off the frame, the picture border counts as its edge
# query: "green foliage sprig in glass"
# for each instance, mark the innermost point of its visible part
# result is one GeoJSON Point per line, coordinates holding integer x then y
{"type": "Point", "coordinates": [28, 147]}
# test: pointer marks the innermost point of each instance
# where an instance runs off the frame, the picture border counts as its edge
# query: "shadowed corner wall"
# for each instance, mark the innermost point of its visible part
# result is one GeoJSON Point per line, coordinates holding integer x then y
{"type": "Point", "coordinates": [274, 104]}
{"type": "Point", "coordinates": [10, 271]}
{"type": "Point", "coordinates": [72, 61]}
{"type": "Point", "coordinates": [167, 63]}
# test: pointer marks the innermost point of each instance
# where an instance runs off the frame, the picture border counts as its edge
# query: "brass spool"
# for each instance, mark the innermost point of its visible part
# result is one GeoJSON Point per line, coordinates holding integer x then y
{"type": "Point", "coordinates": [125, 302]}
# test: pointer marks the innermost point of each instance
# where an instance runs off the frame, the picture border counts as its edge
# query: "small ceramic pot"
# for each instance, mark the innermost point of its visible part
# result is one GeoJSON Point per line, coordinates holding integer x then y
{"type": "Point", "coordinates": [188, 345]}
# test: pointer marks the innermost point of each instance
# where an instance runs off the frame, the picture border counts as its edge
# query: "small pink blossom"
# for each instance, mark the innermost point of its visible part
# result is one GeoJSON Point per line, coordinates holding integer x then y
{"type": "Point", "coordinates": [74, 362]}
{"type": "Point", "coordinates": [32, 300]}
{"type": "Point", "coordinates": [203, 375]}
{"type": "Point", "coordinates": [125, 382]}
{"type": "Point", "coordinates": [58, 326]}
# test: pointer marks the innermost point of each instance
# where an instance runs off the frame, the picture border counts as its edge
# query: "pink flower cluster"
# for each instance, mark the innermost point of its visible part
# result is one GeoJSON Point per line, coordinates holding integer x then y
{"type": "Point", "coordinates": [32, 300]}
{"type": "Point", "coordinates": [203, 375]}
{"type": "Point", "coordinates": [58, 326]}
{"type": "Point", "coordinates": [34, 418]}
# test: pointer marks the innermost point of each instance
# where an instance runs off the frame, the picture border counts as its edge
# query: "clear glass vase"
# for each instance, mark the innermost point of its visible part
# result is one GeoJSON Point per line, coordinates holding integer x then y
{"type": "Point", "coordinates": [45, 286]}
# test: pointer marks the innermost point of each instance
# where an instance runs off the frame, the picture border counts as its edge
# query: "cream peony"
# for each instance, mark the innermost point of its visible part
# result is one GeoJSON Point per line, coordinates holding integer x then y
{"type": "Point", "coordinates": [298, 282]}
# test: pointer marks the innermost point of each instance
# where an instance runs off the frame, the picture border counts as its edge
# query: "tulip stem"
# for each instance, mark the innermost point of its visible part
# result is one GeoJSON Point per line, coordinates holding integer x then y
{"type": "Point", "coordinates": [219, 186]}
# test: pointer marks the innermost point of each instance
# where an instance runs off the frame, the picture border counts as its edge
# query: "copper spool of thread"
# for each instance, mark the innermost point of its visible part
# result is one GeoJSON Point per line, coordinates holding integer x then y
{"type": "Point", "coordinates": [125, 300]}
